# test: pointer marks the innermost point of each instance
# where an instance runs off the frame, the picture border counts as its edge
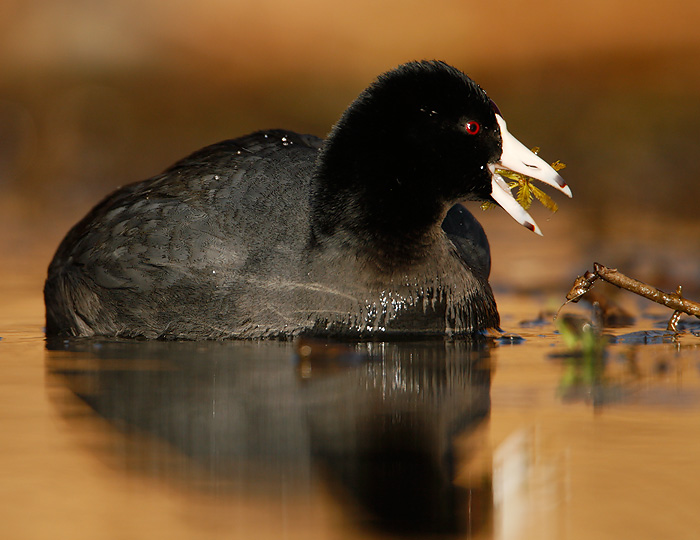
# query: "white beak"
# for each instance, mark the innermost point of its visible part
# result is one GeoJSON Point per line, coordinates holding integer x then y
{"type": "Point", "coordinates": [518, 158]}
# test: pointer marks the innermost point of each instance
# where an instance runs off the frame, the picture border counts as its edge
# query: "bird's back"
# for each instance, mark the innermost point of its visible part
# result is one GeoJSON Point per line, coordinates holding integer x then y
{"type": "Point", "coordinates": [222, 220]}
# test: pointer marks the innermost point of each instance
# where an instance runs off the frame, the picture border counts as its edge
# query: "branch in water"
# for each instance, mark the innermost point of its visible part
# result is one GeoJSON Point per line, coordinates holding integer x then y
{"type": "Point", "coordinates": [673, 301]}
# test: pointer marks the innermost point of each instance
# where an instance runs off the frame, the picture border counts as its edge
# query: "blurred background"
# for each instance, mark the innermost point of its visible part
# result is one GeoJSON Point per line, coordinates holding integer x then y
{"type": "Point", "coordinates": [94, 95]}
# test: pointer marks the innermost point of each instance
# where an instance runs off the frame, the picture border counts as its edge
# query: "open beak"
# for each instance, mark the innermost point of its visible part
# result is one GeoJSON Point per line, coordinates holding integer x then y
{"type": "Point", "coordinates": [518, 158]}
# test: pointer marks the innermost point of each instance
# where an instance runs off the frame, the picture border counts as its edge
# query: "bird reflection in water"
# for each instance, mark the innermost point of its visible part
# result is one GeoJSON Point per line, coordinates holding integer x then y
{"type": "Point", "coordinates": [375, 422]}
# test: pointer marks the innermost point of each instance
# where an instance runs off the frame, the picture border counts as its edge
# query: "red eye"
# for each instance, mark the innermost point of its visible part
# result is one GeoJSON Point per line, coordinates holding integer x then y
{"type": "Point", "coordinates": [472, 127]}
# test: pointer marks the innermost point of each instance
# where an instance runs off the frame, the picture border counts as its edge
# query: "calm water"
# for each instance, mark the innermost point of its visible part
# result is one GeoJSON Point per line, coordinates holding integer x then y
{"type": "Point", "coordinates": [501, 439]}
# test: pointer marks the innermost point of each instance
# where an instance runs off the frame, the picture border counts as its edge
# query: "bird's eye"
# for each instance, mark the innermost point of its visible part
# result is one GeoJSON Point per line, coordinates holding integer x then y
{"type": "Point", "coordinates": [472, 127]}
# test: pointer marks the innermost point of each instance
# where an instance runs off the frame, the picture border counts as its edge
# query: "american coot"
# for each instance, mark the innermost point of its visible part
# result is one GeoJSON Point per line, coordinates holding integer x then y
{"type": "Point", "coordinates": [277, 234]}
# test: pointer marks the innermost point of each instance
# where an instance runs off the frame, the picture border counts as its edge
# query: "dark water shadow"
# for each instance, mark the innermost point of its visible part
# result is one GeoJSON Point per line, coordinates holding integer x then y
{"type": "Point", "coordinates": [374, 422]}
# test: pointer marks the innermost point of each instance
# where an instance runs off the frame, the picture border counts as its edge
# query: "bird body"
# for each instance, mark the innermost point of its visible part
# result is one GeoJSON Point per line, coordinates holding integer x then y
{"type": "Point", "coordinates": [278, 234]}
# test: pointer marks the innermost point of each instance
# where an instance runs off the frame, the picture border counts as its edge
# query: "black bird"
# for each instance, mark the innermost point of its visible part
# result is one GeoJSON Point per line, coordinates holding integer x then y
{"type": "Point", "coordinates": [277, 234]}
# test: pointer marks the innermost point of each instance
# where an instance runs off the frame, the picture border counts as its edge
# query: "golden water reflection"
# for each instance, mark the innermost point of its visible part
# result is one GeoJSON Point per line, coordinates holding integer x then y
{"type": "Point", "coordinates": [113, 439]}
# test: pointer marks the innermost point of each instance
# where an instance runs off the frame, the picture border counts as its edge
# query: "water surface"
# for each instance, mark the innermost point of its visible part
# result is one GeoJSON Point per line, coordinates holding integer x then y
{"type": "Point", "coordinates": [495, 439]}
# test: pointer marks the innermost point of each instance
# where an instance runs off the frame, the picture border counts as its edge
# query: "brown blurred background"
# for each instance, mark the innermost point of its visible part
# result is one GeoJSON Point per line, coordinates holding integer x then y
{"type": "Point", "coordinates": [98, 94]}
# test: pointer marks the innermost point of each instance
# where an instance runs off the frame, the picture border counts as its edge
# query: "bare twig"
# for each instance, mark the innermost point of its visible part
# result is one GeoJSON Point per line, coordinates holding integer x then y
{"type": "Point", "coordinates": [674, 301]}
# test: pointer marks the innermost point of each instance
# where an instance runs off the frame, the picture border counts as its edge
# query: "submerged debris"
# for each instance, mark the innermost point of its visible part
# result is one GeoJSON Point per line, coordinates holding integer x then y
{"type": "Point", "coordinates": [612, 315]}
{"type": "Point", "coordinates": [674, 301]}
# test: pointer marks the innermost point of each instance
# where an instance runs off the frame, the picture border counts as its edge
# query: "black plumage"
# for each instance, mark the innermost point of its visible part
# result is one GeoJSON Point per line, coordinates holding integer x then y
{"type": "Point", "coordinates": [278, 234]}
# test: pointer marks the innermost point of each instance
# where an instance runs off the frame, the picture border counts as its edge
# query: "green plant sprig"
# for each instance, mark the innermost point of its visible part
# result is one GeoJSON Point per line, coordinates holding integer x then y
{"type": "Point", "coordinates": [526, 190]}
